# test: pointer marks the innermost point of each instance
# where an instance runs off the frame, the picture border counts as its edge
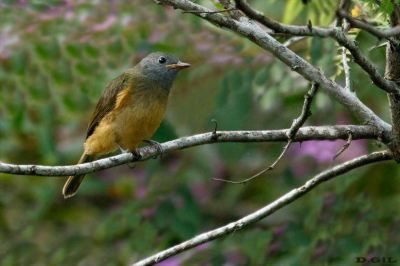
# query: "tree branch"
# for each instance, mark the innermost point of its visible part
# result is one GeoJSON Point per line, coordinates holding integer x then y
{"type": "Point", "coordinates": [148, 152]}
{"type": "Point", "coordinates": [269, 209]}
{"type": "Point", "coordinates": [345, 146]}
{"type": "Point", "coordinates": [345, 5]}
{"type": "Point", "coordinates": [356, 23]}
{"type": "Point", "coordinates": [305, 112]}
{"type": "Point", "coordinates": [392, 72]}
{"type": "Point", "coordinates": [234, 13]}
{"type": "Point", "coordinates": [251, 31]}
{"type": "Point", "coordinates": [211, 12]}
{"type": "Point", "coordinates": [341, 38]}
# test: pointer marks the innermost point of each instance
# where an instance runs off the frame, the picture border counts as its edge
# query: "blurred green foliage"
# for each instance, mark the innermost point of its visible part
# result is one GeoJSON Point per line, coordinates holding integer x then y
{"type": "Point", "coordinates": [57, 56]}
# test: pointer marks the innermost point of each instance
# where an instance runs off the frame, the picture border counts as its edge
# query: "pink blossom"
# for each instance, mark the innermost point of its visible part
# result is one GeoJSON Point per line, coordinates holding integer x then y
{"type": "Point", "coordinates": [112, 18]}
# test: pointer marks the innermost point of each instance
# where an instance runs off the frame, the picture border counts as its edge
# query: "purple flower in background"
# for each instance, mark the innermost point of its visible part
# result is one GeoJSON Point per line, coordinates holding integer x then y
{"type": "Point", "coordinates": [31, 28]}
{"type": "Point", "coordinates": [203, 46]}
{"type": "Point", "coordinates": [206, 42]}
{"type": "Point", "coordinates": [329, 200]}
{"type": "Point", "coordinates": [319, 251]}
{"type": "Point", "coordinates": [200, 192]}
{"type": "Point", "coordinates": [275, 247]}
{"type": "Point", "coordinates": [177, 260]}
{"type": "Point", "coordinates": [223, 59]}
{"type": "Point", "coordinates": [173, 261]}
{"type": "Point", "coordinates": [156, 36]}
{"type": "Point", "coordinates": [141, 192]}
{"type": "Point", "coordinates": [203, 246]}
{"type": "Point", "coordinates": [69, 14]}
{"type": "Point", "coordinates": [279, 230]}
{"type": "Point", "coordinates": [262, 58]}
{"type": "Point", "coordinates": [84, 38]}
{"type": "Point", "coordinates": [235, 258]}
{"type": "Point", "coordinates": [323, 151]}
{"type": "Point", "coordinates": [7, 40]}
{"type": "Point", "coordinates": [51, 13]}
{"type": "Point", "coordinates": [149, 212]}
{"type": "Point", "coordinates": [112, 18]}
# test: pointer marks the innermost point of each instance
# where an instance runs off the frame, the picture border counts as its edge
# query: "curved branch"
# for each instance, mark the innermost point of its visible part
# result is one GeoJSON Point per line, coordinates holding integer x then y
{"type": "Point", "coordinates": [269, 209]}
{"type": "Point", "coordinates": [304, 134]}
{"type": "Point", "coordinates": [251, 31]}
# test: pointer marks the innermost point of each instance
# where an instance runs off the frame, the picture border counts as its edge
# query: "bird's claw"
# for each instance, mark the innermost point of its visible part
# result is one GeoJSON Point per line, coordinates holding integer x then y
{"type": "Point", "coordinates": [155, 143]}
{"type": "Point", "coordinates": [135, 154]}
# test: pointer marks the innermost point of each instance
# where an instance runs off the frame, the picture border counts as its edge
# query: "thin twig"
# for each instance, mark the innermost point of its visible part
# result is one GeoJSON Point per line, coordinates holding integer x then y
{"type": "Point", "coordinates": [291, 134]}
{"type": "Point", "coordinates": [378, 46]}
{"type": "Point", "coordinates": [209, 12]}
{"type": "Point", "coordinates": [344, 6]}
{"type": "Point", "coordinates": [260, 173]}
{"type": "Point", "coordinates": [293, 40]}
{"type": "Point", "coordinates": [305, 112]}
{"type": "Point", "coordinates": [345, 146]}
{"type": "Point", "coordinates": [267, 210]}
{"type": "Point", "coordinates": [356, 23]}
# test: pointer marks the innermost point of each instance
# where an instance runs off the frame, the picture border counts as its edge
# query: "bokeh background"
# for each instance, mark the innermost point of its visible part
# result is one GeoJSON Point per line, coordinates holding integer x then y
{"type": "Point", "coordinates": [57, 56]}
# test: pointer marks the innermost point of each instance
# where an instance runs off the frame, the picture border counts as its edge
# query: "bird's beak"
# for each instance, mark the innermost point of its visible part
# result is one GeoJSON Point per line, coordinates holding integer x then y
{"type": "Point", "coordinates": [179, 65]}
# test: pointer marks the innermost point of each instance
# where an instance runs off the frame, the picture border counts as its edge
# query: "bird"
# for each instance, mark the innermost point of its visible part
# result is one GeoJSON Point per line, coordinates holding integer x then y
{"type": "Point", "coordinates": [129, 110]}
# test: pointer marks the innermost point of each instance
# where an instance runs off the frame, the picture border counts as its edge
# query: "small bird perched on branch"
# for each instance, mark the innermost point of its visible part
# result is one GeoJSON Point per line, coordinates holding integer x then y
{"type": "Point", "coordinates": [129, 110]}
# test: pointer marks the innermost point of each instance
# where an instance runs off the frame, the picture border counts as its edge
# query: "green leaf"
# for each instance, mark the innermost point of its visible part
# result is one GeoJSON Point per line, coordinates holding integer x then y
{"type": "Point", "coordinates": [163, 215]}
{"type": "Point", "coordinates": [386, 6]}
{"type": "Point", "coordinates": [286, 85]}
{"type": "Point", "coordinates": [86, 69]}
{"type": "Point", "coordinates": [18, 62]}
{"type": "Point", "coordinates": [218, 5]}
{"type": "Point", "coordinates": [165, 132]}
{"type": "Point", "coordinates": [269, 97]}
{"type": "Point", "coordinates": [292, 10]}
{"type": "Point", "coordinates": [261, 76]}
{"type": "Point", "coordinates": [316, 50]}
{"type": "Point", "coordinates": [255, 245]}
{"type": "Point", "coordinates": [92, 52]}
{"type": "Point", "coordinates": [73, 51]}
{"type": "Point", "coordinates": [48, 51]}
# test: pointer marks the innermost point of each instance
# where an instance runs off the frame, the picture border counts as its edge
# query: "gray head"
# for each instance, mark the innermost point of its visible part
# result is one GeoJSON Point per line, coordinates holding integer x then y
{"type": "Point", "coordinates": [161, 68]}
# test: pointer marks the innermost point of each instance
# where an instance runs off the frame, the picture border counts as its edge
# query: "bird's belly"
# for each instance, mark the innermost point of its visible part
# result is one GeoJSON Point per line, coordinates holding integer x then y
{"type": "Point", "coordinates": [135, 124]}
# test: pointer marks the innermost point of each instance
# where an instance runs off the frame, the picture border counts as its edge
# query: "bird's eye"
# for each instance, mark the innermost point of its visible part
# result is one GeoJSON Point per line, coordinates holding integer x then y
{"type": "Point", "coordinates": [162, 60]}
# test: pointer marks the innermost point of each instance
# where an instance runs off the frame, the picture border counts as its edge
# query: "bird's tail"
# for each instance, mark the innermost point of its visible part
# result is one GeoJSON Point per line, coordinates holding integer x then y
{"type": "Point", "coordinates": [73, 182]}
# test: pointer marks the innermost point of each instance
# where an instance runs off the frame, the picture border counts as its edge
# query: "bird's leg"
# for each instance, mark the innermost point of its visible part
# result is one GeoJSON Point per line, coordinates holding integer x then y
{"type": "Point", "coordinates": [155, 143]}
{"type": "Point", "coordinates": [135, 154]}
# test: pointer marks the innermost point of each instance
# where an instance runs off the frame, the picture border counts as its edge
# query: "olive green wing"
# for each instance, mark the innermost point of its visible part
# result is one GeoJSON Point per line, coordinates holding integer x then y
{"type": "Point", "coordinates": [107, 101]}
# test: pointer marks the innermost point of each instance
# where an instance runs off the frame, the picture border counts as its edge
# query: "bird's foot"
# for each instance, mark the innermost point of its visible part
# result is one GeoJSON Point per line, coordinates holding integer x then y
{"type": "Point", "coordinates": [135, 154]}
{"type": "Point", "coordinates": [155, 143]}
